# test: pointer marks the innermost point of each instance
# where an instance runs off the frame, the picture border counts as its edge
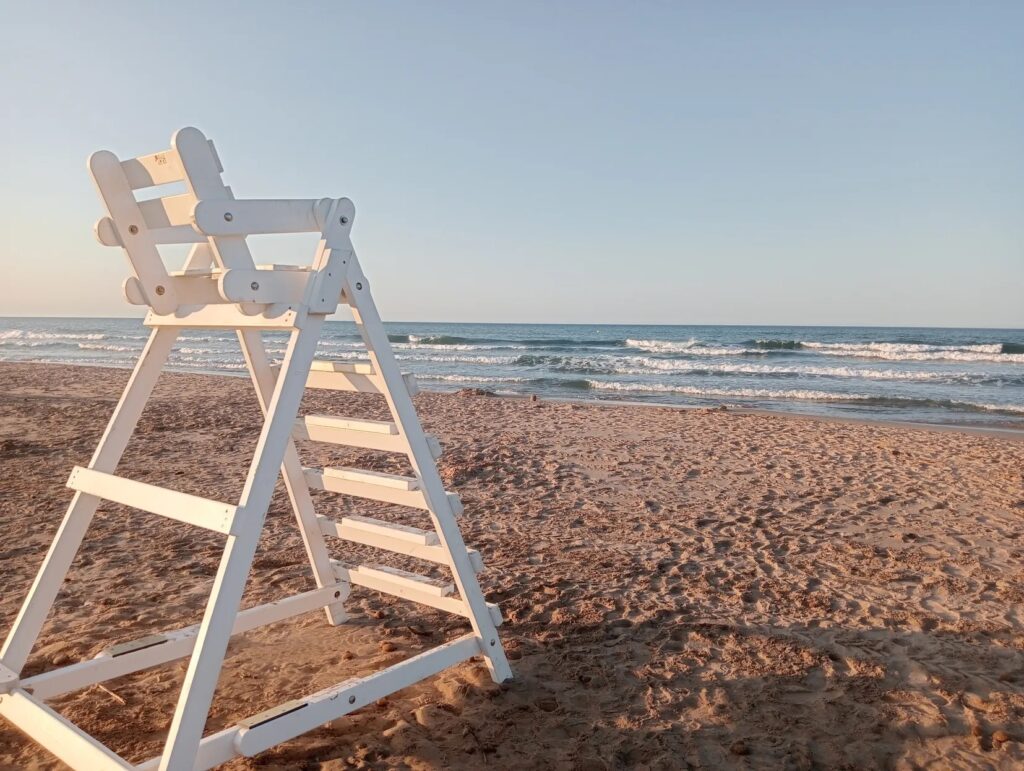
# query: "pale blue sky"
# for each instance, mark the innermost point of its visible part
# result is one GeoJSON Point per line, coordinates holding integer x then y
{"type": "Point", "coordinates": [791, 163]}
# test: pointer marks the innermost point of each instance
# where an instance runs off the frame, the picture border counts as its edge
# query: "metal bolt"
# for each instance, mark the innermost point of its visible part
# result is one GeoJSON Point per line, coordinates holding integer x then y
{"type": "Point", "coordinates": [160, 290]}
{"type": "Point", "coordinates": [359, 285]}
{"type": "Point", "coordinates": [492, 642]}
{"type": "Point", "coordinates": [344, 220]}
{"type": "Point", "coordinates": [254, 285]}
{"type": "Point", "coordinates": [228, 216]}
{"type": "Point", "coordinates": [351, 699]}
{"type": "Point", "coordinates": [133, 229]}
{"type": "Point", "coordinates": [337, 595]}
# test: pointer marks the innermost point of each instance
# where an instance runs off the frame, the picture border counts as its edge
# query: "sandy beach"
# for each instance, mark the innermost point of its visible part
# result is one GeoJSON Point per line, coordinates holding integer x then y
{"type": "Point", "coordinates": [681, 588]}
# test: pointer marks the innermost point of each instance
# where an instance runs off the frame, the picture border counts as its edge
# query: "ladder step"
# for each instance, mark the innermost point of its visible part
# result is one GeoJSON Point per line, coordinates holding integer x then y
{"type": "Point", "coordinates": [182, 507]}
{"type": "Point", "coordinates": [421, 544]}
{"type": "Point", "coordinates": [351, 367]}
{"type": "Point", "coordinates": [329, 480]}
{"type": "Point", "coordinates": [353, 432]}
{"type": "Point", "coordinates": [365, 476]}
{"type": "Point", "coordinates": [351, 376]}
{"type": "Point", "coordinates": [413, 590]}
{"type": "Point", "coordinates": [414, 581]}
{"type": "Point", "coordinates": [389, 530]}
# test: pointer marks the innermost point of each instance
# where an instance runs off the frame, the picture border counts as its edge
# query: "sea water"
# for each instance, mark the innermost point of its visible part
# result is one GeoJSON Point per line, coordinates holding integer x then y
{"type": "Point", "coordinates": [914, 374]}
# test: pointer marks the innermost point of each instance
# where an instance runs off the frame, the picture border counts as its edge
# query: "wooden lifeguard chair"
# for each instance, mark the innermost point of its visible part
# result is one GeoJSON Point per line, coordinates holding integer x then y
{"type": "Point", "coordinates": [221, 288]}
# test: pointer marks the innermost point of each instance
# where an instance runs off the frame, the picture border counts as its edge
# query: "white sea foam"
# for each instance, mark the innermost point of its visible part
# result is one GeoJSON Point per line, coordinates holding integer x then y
{"type": "Point", "coordinates": [12, 334]}
{"type": "Point", "coordinates": [642, 365]}
{"type": "Point", "coordinates": [663, 345]}
{"type": "Point", "coordinates": [106, 347]}
{"type": "Point", "coordinates": [472, 379]}
{"type": "Point", "coordinates": [916, 352]}
{"type": "Point", "coordinates": [735, 393]}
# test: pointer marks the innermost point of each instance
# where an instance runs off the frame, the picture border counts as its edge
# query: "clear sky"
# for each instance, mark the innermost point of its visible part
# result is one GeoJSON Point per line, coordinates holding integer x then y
{"type": "Point", "coordinates": [661, 162]}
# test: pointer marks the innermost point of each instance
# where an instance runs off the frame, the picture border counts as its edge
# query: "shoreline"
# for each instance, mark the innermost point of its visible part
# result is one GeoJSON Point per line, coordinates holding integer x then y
{"type": "Point", "coordinates": [992, 430]}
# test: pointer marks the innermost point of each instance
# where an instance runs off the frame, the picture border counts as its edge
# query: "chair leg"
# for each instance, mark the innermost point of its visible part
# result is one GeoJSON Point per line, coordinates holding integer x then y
{"type": "Point", "coordinates": [215, 630]}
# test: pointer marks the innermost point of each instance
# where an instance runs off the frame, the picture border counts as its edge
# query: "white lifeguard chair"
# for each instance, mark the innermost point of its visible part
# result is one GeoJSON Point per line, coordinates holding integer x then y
{"type": "Point", "coordinates": [221, 288]}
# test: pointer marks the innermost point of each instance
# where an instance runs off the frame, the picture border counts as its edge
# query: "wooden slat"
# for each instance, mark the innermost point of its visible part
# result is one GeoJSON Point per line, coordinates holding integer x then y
{"type": "Point", "coordinates": [176, 644]}
{"type": "Point", "coordinates": [107, 234]}
{"type": "Point", "coordinates": [352, 376]}
{"type": "Point", "coordinates": [318, 480]}
{"type": "Point", "coordinates": [386, 538]}
{"type": "Point", "coordinates": [240, 217]}
{"type": "Point", "coordinates": [337, 701]}
{"type": "Point", "coordinates": [367, 434]}
{"type": "Point", "coordinates": [155, 169]}
{"type": "Point", "coordinates": [379, 531]}
{"type": "Point", "coordinates": [402, 580]}
{"type": "Point", "coordinates": [182, 507]}
{"type": "Point", "coordinates": [352, 367]}
{"type": "Point", "coordinates": [412, 593]}
{"type": "Point", "coordinates": [61, 737]}
{"type": "Point", "coordinates": [377, 478]}
{"type": "Point", "coordinates": [169, 211]}
{"type": "Point", "coordinates": [229, 317]}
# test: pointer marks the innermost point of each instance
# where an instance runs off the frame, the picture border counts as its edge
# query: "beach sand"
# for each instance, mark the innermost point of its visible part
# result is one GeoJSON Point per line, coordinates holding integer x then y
{"type": "Point", "coordinates": [681, 588]}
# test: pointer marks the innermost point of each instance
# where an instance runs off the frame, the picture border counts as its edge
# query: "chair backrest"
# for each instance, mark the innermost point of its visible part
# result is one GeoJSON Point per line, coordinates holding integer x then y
{"type": "Point", "coordinates": [139, 226]}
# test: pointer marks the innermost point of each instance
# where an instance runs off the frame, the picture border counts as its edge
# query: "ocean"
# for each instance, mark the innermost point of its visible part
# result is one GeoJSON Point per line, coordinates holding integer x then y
{"type": "Point", "coordinates": [973, 376]}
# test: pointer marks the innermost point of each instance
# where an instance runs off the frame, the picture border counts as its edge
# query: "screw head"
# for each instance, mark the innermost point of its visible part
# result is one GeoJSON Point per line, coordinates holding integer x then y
{"type": "Point", "coordinates": [254, 285]}
{"type": "Point", "coordinates": [133, 229]}
{"type": "Point", "coordinates": [160, 290]}
{"type": "Point", "coordinates": [492, 642]}
{"type": "Point", "coordinates": [351, 699]}
{"type": "Point", "coordinates": [359, 285]}
{"type": "Point", "coordinates": [228, 216]}
{"type": "Point", "coordinates": [337, 595]}
{"type": "Point", "coordinates": [344, 220]}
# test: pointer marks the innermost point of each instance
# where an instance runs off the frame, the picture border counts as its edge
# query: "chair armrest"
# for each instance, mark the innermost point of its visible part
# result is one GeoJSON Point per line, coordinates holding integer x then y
{"type": "Point", "coordinates": [233, 217]}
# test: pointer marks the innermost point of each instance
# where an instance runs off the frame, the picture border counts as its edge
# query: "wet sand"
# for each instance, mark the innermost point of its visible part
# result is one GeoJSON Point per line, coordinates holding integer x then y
{"type": "Point", "coordinates": [681, 588]}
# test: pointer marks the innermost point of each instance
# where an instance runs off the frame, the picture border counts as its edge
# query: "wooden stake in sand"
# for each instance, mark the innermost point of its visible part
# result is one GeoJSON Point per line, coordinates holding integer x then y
{"type": "Point", "coordinates": [221, 288]}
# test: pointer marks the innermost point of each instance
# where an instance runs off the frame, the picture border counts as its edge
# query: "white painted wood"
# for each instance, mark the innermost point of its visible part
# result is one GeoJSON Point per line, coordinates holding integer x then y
{"type": "Point", "coordinates": [176, 644]}
{"type": "Point", "coordinates": [8, 679]}
{"type": "Point", "coordinates": [385, 532]}
{"type": "Point", "coordinates": [403, 579]}
{"type": "Point", "coordinates": [155, 169]}
{"type": "Point", "coordinates": [283, 316]}
{"type": "Point", "coordinates": [319, 480]}
{"type": "Point", "coordinates": [385, 538]}
{"type": "Point", "coordinates": [263, 286]}
{"type": "Point", "coordinates": [337, 701]}
{"type": "Point", "coordinates": [367, 434]}
{"type": "Point", "coordinates": [204, 666]}
{"type": "Point", "coordinates": [334, 252]}
{"type": "Point", "coordinates": [367, 477]}
{"type": "Point", "coordinates": [364, 312]}
{"type": "Point", "coordinates": [107, 234]}
{"type": "Point", "coordinates": [191, 509]}
{"type": "Point", "coordinates": [167, 212]}
{"type": "Point", "coordinates": [352, 367]}
{"type": "Point", "coordinates": [241, 217]}
{"type": "Point", "coordinates": [361, 425]}
{"type": "Point", "coordinates": [64, 739]}
{"type": "Point", "coordinates": [387, 585]}
{"type": "Point", "coordinates": [72, 530]}
{"type": "Point", "coordinates": [143, 257]}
